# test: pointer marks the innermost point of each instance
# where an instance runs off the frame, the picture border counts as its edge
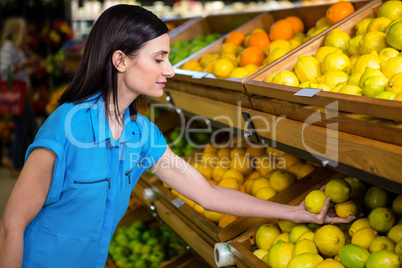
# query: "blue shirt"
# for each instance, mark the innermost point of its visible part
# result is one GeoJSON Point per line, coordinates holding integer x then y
{"type": "Point", "coordinates": [92, 181]}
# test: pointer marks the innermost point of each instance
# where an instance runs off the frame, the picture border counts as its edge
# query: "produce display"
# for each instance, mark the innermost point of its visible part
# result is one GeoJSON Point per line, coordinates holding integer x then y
{"type": "Point", "coordinates": [243, 54]}
{"type": "Point", "coordinates": [366, 63]}
{"type": "Point", "coordinates": [372, 240]}
{"type": "Point", "coordinates": [143, 246]}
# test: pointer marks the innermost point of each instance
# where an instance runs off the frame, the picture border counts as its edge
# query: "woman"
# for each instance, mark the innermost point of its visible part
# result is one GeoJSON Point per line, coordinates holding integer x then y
{"type": "Point", "coordinates": [15, 56]}
{"type": "Point", "coordinates": [86, 158]}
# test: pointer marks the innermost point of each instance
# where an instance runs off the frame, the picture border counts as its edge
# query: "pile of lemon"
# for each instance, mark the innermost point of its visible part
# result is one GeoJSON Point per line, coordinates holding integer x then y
{"type": "Point", "coordinates": [250, 168]}
{"type": "Point", "coordinates": [373, 240]}
{"type": "Point", "coordinates": [366, 64]}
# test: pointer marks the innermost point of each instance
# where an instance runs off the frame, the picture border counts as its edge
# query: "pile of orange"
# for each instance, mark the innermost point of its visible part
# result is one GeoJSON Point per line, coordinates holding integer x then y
{"type": "Point", "coordinates": [339, 11]}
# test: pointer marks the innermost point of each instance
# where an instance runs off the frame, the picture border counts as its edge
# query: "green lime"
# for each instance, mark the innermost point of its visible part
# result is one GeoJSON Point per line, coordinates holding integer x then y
{"type": "Point", "coordinates": [353, 256]}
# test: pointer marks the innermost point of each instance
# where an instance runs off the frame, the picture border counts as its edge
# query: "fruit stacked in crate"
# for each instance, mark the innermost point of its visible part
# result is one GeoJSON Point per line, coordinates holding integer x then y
{"type": "Point", "coordinates": [251, 168]}
{"type": "Point", "coordinates": [141, 245]}
{"type": "Point", "coordinates": [373, 239]}
{"type": "Point", "coordinates": [363, 62]}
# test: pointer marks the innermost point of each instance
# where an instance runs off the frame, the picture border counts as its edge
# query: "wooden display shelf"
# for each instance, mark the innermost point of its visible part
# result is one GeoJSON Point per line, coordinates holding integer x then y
{"type": "Point", "coordinates": [378, 108]}
{"type": "Point", "coordinates": [179, 24]}
{"type": "Point", "coordinates": [294, 192]}
{"type": "Point", "coordinates": [309, 15]}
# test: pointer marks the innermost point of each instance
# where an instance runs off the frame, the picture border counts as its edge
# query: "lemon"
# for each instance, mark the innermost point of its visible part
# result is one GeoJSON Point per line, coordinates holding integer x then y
{"type": "Point", "coordinates": [337, 38]}
{"type": "Point", "coordinates": [294, 43]}
{"type": "Point", "coordinates": [381, 219]}
{"type": "Point", "coordinates": [190, 65]}
{"type": "Point", "coordinates": [369, 72]}
{"type": "Point", "coordinates": [351, 90]}
{"type": "Point", "coordinates": [378, 24]}
{"type": "Point", "coordinates": [392, 23]}
{"type": "Point", "coordinates": [395, 85]}
{"type": "Point", "coordinates": [397, 205]}
{"type": "Point", "coordinates": [324, 51]}
{"type": "Point", "coordinates": [338, 190]}
{"type": "Point", "coordinates": [374, 85]}
{"type": "Point", "coordinates": [280, 43]}
{"type": "Point", "coordinates": [354, 45]}
{"type": "Point", "coordinates": [353, 256]}
{"type": "Point", "coordinates": [361, 26]}
{"type": "Point", "coordinates": [265, 235]}
{"type": "Point", "coordinates": [354, 79]}
{"type": "Point", "coordinates": [375, 197]}
{"type": "Point", "coordinates": [372, 60]}
{"type": "Point", "coordinates": [346, 209]}
{"type": "Point", "coordinates": [381, 242]}
{"type": "Point", "coordinates": [286, 78]}
{"type": "Point", "coordinates": [213, 216]}
{"type": "Point", "coordinates": [280, 254]}
{"type": "Point", "coordinates": [395, 233]}
{"type": "Point", "coordinates": [364, 236]}
{"type": "Point", "coordinates": [353, 59]}
{"type": "Point", "coordinates": [276, 54]}
{"type": "Point", "coordinates": [373, 41]}
{"type": "Point", "coordinates": [228, 47]}
{"type": "Point", "coordinates": [238, 72]}
{"type": "Point", "coordinates": [307, 235]}
{"type": "Point", "coordinates": [315, 200]}
{"type": "Point", "coordinates": [222, 67]}
{"type": "Point", "coordinates": [398, 97]}
{"type": "Point", "coordinates": [298, 37]}
{"type": "Point", "coordinates": [318, 31]}
{"type": "Point", "coordinates": [304, 245]}
{"type": "Point", "coordinates": [388, 53]}
{"type": "Point", "coordinates": [329, 240]}
{"type": "Point", "coordinates": [335, 62]}
{"type": "Point", "coordinates": [390, 9]}
{"type": "Point", "coordinates": [398, 248]}
{"type": "Point", "coordinates": [386, 95]}
{"type": "Point", "coordinates": [393, 35]}
{"type": "Point", "coordinates": [321, 86]}
{"type": "Point", "coordinates": [333, 78]}
{"type": "Point", "coordinates": [358, 190]}
{"type": "Point", "coordinates": [283, 237]}
{"type": "Point", "coordinates": [258, 184]}
{"type": "Point", "coordinates": [285, 225]}
{"type": "Point", "coordinates": [392, 66]}
{"type": "Point", "coordinates": [321, 22]}
{"type": "Point", "coordinates": [307, 68]}
{"type": "Point", "coordinates": [306, 168]}
{"type": "Point", "coordinates": [305, 260]}
{"type": "Point", "coordinates": [296, 231]}
{"type": "Point", "coordinates": [383, 259]}
{"type": "Point", "coordinates": [281, 179]}
{"type": "Point", "coordinates": [251, 68]}
{"type": "Point", "coordinates": [271, 76]}
{"type": "Point", "coordinates": [265, 193]}
{"type": "Point", "coordinates": [329, 263]}
{"type": "Point", "coordinates": [260, 253]}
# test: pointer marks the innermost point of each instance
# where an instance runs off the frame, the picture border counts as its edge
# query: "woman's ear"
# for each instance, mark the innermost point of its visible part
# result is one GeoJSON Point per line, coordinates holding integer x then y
{"type": "Point", "coordinates": [118, 60]}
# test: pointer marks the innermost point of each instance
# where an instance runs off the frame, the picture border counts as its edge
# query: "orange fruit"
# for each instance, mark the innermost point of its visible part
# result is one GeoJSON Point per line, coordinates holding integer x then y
{"type": "Point", "coordinates": [282, 29]}
{"type": "Point", "coordinates": [236, 37]}
{"type": "Point", "coordinates": [237, 151]}
{"type": "Point", "coordinates": [287, 160]}
{"type": "Point", "coordinates": [248, 184]}
{"type": "Point", "coordinates": [226, 220]}
{"type": "Point", "coordinates": [231, 183]}
{"type": "Point", "coordinates": [242, 163]}
{"type": "Point", "coordinates": [252, 55]}
{"type": "Point", "coordinates": [253, 175]}
{"type": "Point", "coordinates": [339, 11]}
{"type": "Point", "coordinates": [217, 173]}
{"type": "Point", "coordinates": [223, 152]}
{"type": "Point", "coordinates": [234, 174]}
{"type": "Point", "coordinates": [259, 40]}
{"type": "Point", "coordinates": [297, 23]}
{"type": "Point", "coordinates": [210, 148]}
{"type": "Point", "coordinates": [254, 151]}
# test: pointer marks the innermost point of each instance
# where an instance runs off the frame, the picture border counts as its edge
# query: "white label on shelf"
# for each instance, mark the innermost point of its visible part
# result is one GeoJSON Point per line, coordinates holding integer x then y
{"type": "Point", "coordinates": [178, 202]}
{"type": "Point", "coordinates": [199, 75]}
{"type": "Point", "coordinates": [308, 92]}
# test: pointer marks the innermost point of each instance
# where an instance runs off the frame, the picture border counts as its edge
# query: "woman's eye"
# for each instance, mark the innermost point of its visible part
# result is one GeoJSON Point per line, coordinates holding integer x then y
{"type": "Point", "coordinates": [158, 61]}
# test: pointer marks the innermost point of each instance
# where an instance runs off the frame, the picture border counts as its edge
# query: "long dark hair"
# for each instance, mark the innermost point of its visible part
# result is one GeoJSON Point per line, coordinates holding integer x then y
{"type": "Point", "coordinates": [120, 27]}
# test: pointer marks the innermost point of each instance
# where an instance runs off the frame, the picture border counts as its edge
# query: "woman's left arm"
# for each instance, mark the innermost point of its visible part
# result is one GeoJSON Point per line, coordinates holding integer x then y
{"type": "Point", "coordinates": [186, 180]}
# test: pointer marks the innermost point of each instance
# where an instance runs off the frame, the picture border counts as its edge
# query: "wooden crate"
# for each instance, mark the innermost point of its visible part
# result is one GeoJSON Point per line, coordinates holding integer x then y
{"type": "Point", "coordinates": [309, 15]}
{"type": "Point", "coordinates": [178, 24]}
{"type": "Point", "coordinates": [244, 245]}
{"type": "Point", "coordinates": [293, 194]}
{"type": "Point", "coordinates": [378, 108]}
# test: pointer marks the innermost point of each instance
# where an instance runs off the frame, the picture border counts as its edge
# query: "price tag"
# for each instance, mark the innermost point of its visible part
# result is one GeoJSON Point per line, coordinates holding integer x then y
{"type": "Point", "coordinates": [199, 75]}
{"type": "Point", "coordinates": [178, 202]}
{"type": "Point", "coordinates": [308, 92]}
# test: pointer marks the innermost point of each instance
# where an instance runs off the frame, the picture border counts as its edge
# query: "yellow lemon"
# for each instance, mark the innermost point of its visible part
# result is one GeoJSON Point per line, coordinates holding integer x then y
{"type": "Point", "coordinates": [298, 37]}
{"type": "Point", "coordinates": [395, 86]}
{"type": "Point", "coordinates": [352, 255]}
{"type": "Point", "coordinates": [287, 78]}
{"type": "Point", "coordinates": [222, 67]}
{"type": "Point", "coordinates": [380, 243]}
{"type": "Point", "coordinates": [281, 179]}
{"type": "Point", "coordinates": [286, 160]}
{"type": "Point", "coordinates": [329, 240]}
{"type": "Point", "coordinates": [226, 220]}
{"type": "Point", "coordinates": [304, 245]}
{"type": "Point", "coordinates": [333, 78]}
{"type": "Point", "coordinates": [265, 235]}
{"type": "Point", "coordinates": [296, 231]}
{"type": "Point", "coordinates": [258, 30]}
{"type": "Point", "coordinates": [386, 95]}
{"type": "Point", "coordinates": [398, 248]}
{"type": "Point", "coordinates": [361, 26]}
{"type": "Point", "coordinates": [199, 209]}
{"type": "Point", "coordinates": [231, 183]}
{"type": "Point", "coordinates": [315, 200]}
{"type": "Point", "coordinates": [248, 184]}
{"type": "Point", "coordinates": [353, 59]}
{"type": "Point", "coordinates": [354, 79]}
{"type": "Point", "coordinates": [304, 169]}
{"type": "Point", "coordinates": [190, 65]}
{"type": "Point", "coordinates": [395, 233]}
{"type": "Point", "coordinates": [372, 60]}
{"type": "Point", "coordinates": [318, 31]}
{"type": "Point", "coordinates": [213, 216]}
{"type": "Point", "coordinates": [276, 54]}
{"type": "Point", "coordinates": [217, 173]}
{"type": "Point", "coordinates": [233, 173]}
{"type": "Point", "coordinates": [283, 237]}
{"type": "Point", "coordinates": [238, 72]}
{"type": "Point", "coordinates": [294, 43]}
{"type": "Point", "coordinates": [258, 184]}
{"type": "Point", "coordinates": [369, 72]}
{"type": "Point", "coordinates": [335, 62]}
{"type": "Point", "coordinates": [392, 23]}
{"type": "Point", "coordinates": [285, 225]}
{"type": "Point", "coordinates": [280, 255]}
{"type": "Point", "coordinates": [307, 235]}
{"type": "Point", "coordinates": [251, 68]}
{"type": "Point", "coordinates": [374, 85]}
{"type": "Point", "coordinates": [295, 168]}
{"type": "Point", "coordinates": [383, 258]}
{"type": "Point", "coordinates": [271, 76]}
{"type": "Point", "coordinates": [265, 193]}
{"type": "Point", "coordinates": [243, 164]}
{"type": "Point", "coordinates": [354, 45]}
{"type": "Point", "coordinates": [337, 38]}
{"type": "Point", "coordinates": [325, 50]}
{"type": "Point", "coordinates": [373, 41]}
{"type": "Point", "coordinates": [280, 43]}
{"type": "Point", "coordinates": [381, 219]}
{"type": "Point", "coordinates": [307, 68]}
{"type": "Point", "coordinates": [390, 9]}
{"type": "Point", "coordinates": [329, 263]}
{"type": "Point", "coordinates": [346, 209]}
{"type": "Point", "coordinates": [321, 86]}
{"type": "Point", "coordinates": [378, 24]}
{"type": "Point", "coordinates": [305, 260]}
{"type": "Point", "coordinates": [351, 90]}
{"type": "Point", "coordinates": [321, 22]}
{"type": "Point", "coordinates": [358, 190]}
{"type": "Point", "coordinates": [228, 47]}
{"type": "Point", "coordinates": [260, 253]}
{"type": "Point", "coordinates": [398, 97]}
{"type": "Point", "coordinates": [392, 66]}
{"type": "Point", "coordinates": [204, 169]}
{"type": "Point", "coordinates": [210, 159]}
{"type": "Point", "coordinates": [185, 199]}
{"type": "Point", "coordinates": [364, 236]}
{"type": "Point", "coordinates": [338, 190]}
{"type": "Point", "coordinates": [397, 205]}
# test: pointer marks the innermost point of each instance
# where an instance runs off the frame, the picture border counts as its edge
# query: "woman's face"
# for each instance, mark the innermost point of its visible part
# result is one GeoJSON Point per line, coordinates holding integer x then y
{"type": "Point", "coordinates": [148, 71]}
